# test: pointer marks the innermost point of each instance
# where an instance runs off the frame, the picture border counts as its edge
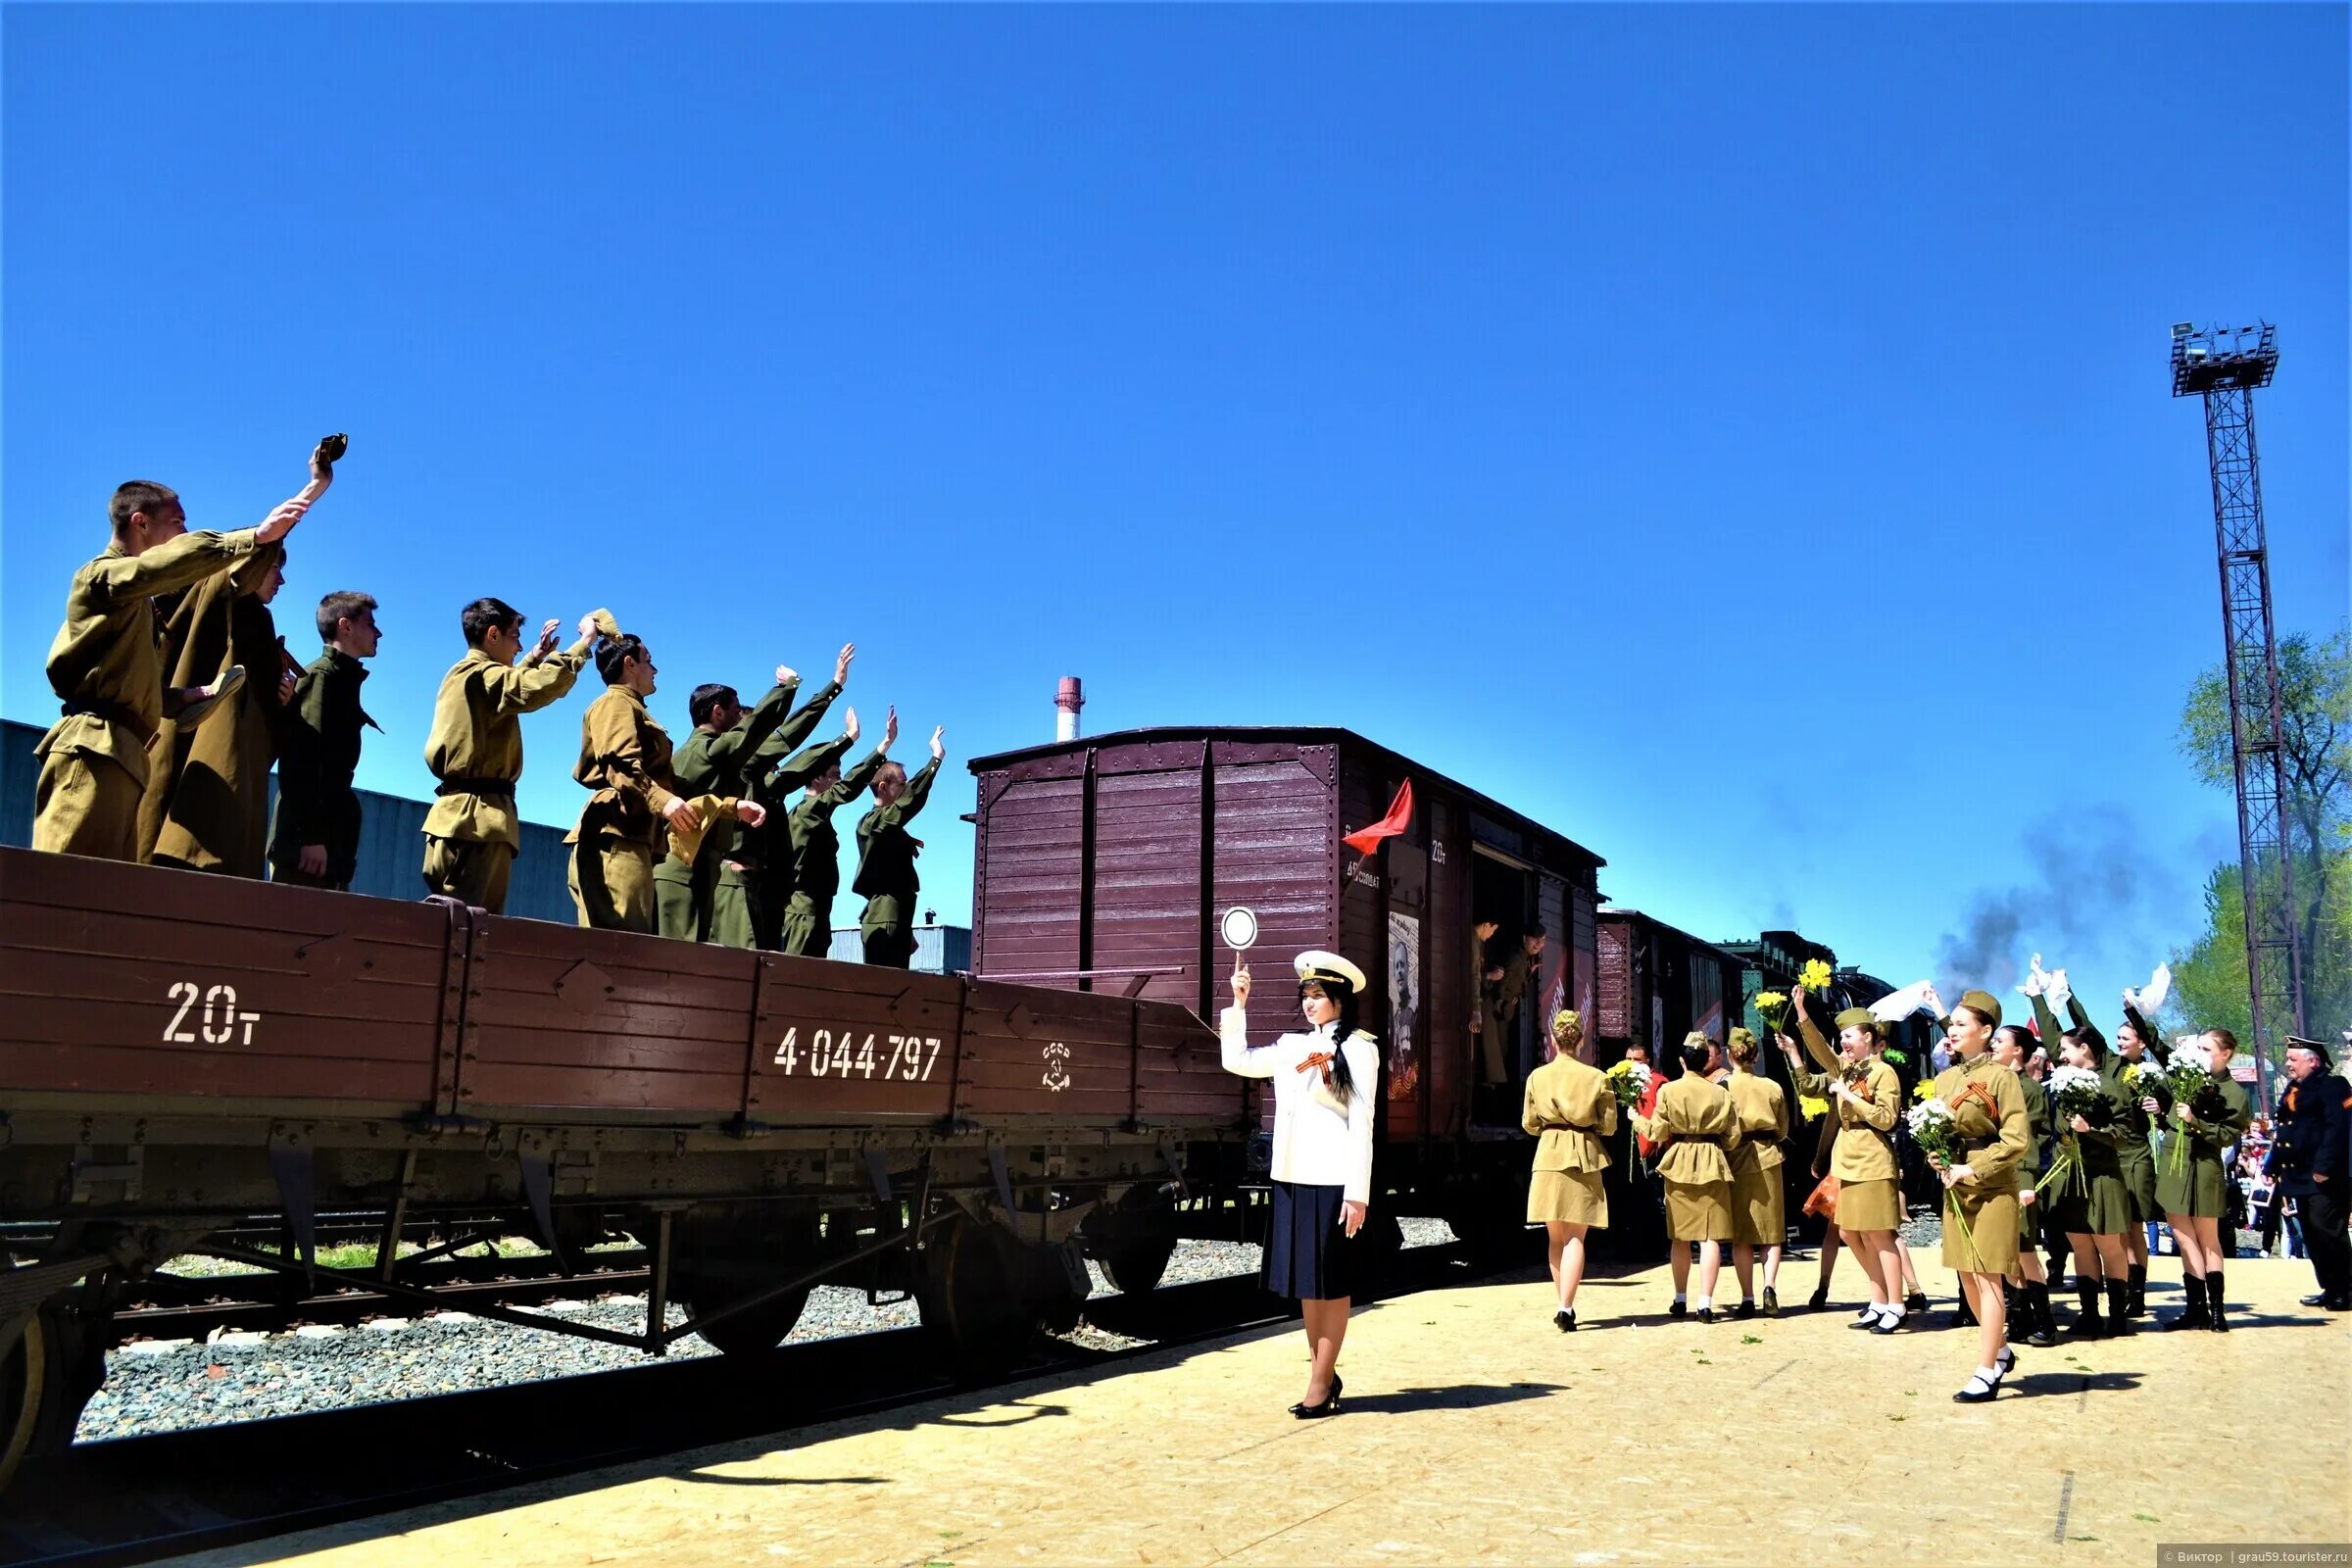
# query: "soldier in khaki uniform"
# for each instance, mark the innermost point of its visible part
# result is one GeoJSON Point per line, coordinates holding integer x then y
{"type": "Point", "coordinates": [712, 762]}
{"type": "Point", "coordinates": [1980, 1189]}
{"type": "Point", "coordinates": [1759, 1202]}
{"type": "Point", "coordinates": [1867, 1098]}
{"type": "Point", "coordinates": [206, 806]}
{"type": "Point", "coordinates": [1695, 1122]}
{"type": "Point", "coordinates": [476, 748]}
{"type": "Point", "coordinates": [624, 762]}
{"type": "Point", "coordinates": [107, 669]}
{"type": "Point", "coordinates": [886, 852]}
{"type": "Point", "coordinates": [1569, 1110]}
{"type": "Point", "coordinates": [813, 870]}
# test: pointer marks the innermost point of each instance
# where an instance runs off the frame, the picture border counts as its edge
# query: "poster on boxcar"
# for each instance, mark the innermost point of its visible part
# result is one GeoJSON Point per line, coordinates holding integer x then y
{"type": "Point", "coordinates": [1404, 1004]}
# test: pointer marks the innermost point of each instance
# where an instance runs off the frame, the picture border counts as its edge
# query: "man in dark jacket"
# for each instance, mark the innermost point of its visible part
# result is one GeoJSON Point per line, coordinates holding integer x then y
{"type": "Point", "coordinates": [2310, 1162]}
{"type": "Point", "coordinates": [314, 842]}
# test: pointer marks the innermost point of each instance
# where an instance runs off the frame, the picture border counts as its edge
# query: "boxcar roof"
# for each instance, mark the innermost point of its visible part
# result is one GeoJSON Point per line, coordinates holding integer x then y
{"type": "Point", "coordinates": [1620, 911]}
{"type": "Point", "coordinates": [1305, 735]}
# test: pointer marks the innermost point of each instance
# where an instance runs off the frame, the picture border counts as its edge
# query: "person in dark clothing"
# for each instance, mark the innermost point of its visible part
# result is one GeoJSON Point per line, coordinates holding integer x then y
{"type": "Point", "coordinates": [314, 840]}
{"type": "Point", "coordinates": [2309, 1160]}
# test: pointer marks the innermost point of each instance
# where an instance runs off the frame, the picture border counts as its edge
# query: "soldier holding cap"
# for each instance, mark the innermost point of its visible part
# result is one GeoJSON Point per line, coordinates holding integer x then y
{"type": "Point", "coordinates": [1980, 1224]}
{"type": "Point", "coordinates": [1867, 1098]}
{"type": "Point", "coordinates": [1569, 1110]}
{"type": "Point", "coordinates": [2311, 1163]}
{"type": "Point", "coordinates": [475, 745]}
{"type": "Point", "coordinates": [1326, 1082]}
{"type": "Point", "coordinates": [1696, 1123]}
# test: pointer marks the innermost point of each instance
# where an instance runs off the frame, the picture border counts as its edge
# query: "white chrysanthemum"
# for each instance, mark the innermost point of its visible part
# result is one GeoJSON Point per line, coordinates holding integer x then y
{"type": "Point", "coordinates": [1929, 1117]}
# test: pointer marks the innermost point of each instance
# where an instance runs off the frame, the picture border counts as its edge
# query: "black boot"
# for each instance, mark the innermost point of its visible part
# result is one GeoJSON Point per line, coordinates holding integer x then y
{"type": "Point", "coordinates": [2086, 1325]}
{"type": "Point", "coordinates": [2138, 1279]}
{"type": "Point", "coordinates": [2194, 1315]}
{"type": "Point", "coordinates": [2213, 1300]}
{"type": "Point", "coordinates": [2119, 1307]}
{"type": "Point", "coordinates": [2041, 1325]}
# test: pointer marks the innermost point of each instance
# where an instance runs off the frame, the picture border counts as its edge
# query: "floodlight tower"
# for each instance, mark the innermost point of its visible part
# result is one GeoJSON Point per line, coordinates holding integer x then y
{"type": "Point", "coordinates": [2225, 365]}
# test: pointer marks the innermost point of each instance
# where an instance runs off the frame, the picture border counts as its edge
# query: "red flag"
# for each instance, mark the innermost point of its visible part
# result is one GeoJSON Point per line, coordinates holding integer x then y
{"type": "Point", "coordinates": [1400, 815]}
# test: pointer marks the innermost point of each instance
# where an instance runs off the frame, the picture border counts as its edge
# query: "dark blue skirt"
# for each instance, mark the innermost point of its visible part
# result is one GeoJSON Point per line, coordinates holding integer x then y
{"type": "Point", "coordinates": [1308, 1254]}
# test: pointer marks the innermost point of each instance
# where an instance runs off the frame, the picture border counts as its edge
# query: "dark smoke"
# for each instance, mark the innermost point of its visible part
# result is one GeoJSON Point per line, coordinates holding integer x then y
{"type": "Point", "coordinates": [2098, 875]}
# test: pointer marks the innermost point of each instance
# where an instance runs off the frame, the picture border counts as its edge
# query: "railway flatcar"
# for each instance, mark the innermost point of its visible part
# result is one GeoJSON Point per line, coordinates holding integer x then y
{"type": "Point", "coordinates": [181, 1053]}
{"type": "Point", "coordinates": [1107, 863]}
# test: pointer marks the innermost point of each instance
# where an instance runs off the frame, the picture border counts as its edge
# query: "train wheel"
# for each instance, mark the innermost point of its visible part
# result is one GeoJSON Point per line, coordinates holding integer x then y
{"type": "Point", "coordinates": [23, 1376]}
{"type": "Point", "coordinates": [724, 1263]}
{"type": "Point", "coordinates": [971, 1298]}
{"type": "Point", "coordinates": [1134, 1264]}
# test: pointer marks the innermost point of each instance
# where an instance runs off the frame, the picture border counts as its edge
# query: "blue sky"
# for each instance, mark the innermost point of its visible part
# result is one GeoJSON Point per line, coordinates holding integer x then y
{"type": "Point", "coordinates": [1736, 436]}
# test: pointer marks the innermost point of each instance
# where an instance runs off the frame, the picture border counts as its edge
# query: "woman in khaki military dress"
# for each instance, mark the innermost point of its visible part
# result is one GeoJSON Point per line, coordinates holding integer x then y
{"type": "Point", "coordinates": [1867, 1098]}
{"type": "Point", "coordinates": [1979, 1214]}
{"type": "Point", "coordinates": [1695, 1123]}
{"type": "Point", "coordinates": [2192, 1186]}
{"type": "Point", "coordinates": [1569, 1110]}
{"type": "Point", "coordinates": [1759, 1202]}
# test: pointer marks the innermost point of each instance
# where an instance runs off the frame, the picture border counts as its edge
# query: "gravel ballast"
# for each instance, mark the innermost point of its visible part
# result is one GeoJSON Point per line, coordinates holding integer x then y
{"type": "Point", "coordinates": [163, 1386]}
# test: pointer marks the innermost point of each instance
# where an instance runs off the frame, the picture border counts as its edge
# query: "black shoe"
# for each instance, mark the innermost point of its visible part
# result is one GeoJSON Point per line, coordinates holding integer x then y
{"type": "Point", "coordinates": [2336, 1303]}
{"type": "Point", "coordinates": [2214, 1301]}
{"type": "Point", "coordinates": [1976, 1390]}
{"type": "Point", "coordinates": [1564, 1320]}
{"type": "Point", "coordinates": [2087, 1324]}
{"type": "Point", "coordinates": [2136, 1280]}
{"type": "Point", "coordinates": [1772, 1301]}
{"type": "Point", "coordinates": [2323, 1299]}
{"type": "Point", "coordinates": [1745, 1308]}
{"type": "Point", "coordinates": [1818, 1300]}
{"type": "Point", "coordinates": [2194, 1314]}
{"type": "Point", "coordinates": [1678, 1309]}
{"type": "Point", "coordinates": [2041, 1328]}
{"type": "Point", "coordinates": [1916, 1302]}
{"type": "Point", "coordinates": [1887, 1324]}
{"type": "Point", "coordinates": [2119, 1312]}
{"type": "Point", "coordinates": [1705, 1314]}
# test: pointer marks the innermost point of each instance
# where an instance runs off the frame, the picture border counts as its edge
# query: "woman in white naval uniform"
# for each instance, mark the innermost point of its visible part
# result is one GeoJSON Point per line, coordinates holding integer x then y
{"type": "Point", "coordinates": [1326, 1083]}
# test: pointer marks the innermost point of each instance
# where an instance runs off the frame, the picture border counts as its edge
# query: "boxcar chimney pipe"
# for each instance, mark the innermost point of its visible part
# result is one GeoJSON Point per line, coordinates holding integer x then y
{"type": "Point", "coordinates": [1067, 703]}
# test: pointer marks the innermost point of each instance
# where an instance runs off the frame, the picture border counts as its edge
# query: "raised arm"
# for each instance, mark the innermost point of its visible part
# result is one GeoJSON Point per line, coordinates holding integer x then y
{"type": "Point", "coordinates": [175, 563]}
{"type": "Point", "coordinates": [801, 725]}
{"type": "Point", "coordinates": [1233, 1034]}
{"type": "Point", "coordinates": [755, 727]}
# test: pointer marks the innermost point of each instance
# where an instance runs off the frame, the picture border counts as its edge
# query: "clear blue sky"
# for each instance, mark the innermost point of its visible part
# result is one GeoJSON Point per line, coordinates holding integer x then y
{"type": "Point", "coordinates": [1736, 436]}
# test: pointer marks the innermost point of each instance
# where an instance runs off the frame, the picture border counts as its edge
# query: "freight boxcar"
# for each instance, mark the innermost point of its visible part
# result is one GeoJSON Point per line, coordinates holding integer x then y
{"type": "Point", "coordinates": [1105, 865]}
{"type": "Point", "coordinates": [182, 1054]}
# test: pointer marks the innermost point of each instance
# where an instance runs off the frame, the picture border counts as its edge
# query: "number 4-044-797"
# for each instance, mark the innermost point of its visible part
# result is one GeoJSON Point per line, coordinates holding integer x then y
{"type": "Point", "coordinates": [843, 1053]}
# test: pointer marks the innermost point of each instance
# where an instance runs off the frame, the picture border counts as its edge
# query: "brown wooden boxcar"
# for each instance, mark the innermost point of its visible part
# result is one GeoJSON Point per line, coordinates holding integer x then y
{"type": "Point", "coordinates": [182, 1053]}
{"type": "Point", "coordinates": [1105, 864]}
{"type": "Point", "coordinates": [1658, 983]}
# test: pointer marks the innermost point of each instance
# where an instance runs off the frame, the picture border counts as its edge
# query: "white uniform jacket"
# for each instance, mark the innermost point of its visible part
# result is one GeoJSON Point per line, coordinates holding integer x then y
{"type": "Point", "coordinates": [1317, 1141]}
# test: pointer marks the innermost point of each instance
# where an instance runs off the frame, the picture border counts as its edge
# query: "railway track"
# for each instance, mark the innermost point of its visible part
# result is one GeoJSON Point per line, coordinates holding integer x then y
{"type": "Point", "coordinates": [138, 1500]}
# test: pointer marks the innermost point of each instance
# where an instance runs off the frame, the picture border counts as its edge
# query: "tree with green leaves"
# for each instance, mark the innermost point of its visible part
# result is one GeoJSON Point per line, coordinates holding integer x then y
{"type": "Point", "coordinates": [2315, 695]}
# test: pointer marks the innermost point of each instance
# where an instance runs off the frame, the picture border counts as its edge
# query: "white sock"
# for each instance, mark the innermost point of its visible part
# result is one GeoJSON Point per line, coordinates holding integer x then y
{"type": "Point", "coordinates": [1705, 1301]}
{"type": "Point", "coordinates": [1892, 1311]}
{"type": "Point", "coordinates": [1867, 1313]}
{"type": "Point", "coordinates": [1678, 1298]}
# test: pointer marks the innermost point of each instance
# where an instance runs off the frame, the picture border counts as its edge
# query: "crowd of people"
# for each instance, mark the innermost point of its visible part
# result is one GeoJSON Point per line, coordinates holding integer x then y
{"type": "Point", "coordinates": [2082, 1158]}
{"type": "Point", "coordinates": [178, 696]}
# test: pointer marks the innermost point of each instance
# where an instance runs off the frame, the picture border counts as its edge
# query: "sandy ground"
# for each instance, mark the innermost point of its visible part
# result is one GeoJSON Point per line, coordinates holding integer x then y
{"type": "Point", "coordinates": [1473, 1432]}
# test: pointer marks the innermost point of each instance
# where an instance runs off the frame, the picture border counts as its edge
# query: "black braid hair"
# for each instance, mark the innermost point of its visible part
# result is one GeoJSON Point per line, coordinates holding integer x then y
{"type": "Point", "coordinates": [1343, 1078]}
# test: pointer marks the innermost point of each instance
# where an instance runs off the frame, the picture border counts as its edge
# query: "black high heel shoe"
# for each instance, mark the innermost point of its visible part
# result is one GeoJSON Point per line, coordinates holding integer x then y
{"type": "Point", "coordinates": [1316, 1412]}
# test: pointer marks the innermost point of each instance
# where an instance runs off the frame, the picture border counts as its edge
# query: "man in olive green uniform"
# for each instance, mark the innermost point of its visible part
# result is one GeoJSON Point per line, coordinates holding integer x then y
{"type": "Point", "coordinates": [712, 762]}
{"type": "Point", "coordinates": [815, 864]}
{"type": "Point", "coordinates": [886, 852]}
{"type": "Point", "coordinates": [107, 669]}
{"type": "Point", "coordinates": [315, 841]}
{"type": "Point", "coordinates": [756, 877]}
{"type": "Point", "coordinates": [206, 806]}
{"type": "Point", "coordinates": [476, 748]}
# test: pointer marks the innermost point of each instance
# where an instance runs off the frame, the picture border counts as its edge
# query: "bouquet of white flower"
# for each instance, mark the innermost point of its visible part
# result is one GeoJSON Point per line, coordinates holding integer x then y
{"type": "Point", "coordinates": [2189, 1079]}
{"type": "Point", "coordinates": [1934, 1130]}
{"type": "Point", "coordinates": [1628, 1081]}
{"type": "Point", "coordinates": [2073, 1092]}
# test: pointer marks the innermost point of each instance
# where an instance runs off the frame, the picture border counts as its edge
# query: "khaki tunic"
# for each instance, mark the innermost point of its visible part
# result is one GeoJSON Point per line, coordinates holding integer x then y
{"type": "Point", "coordinates": [1569, 1110]}
{"type": "Point", "coordinates": [1863, 1157]}
{"type": "Point", "coordinates": [1995, 1141]}
{"type": "Point", "coordinates": [477, 735]}
{"type": "Point", "coordinates": [206, 800]}
{"type": "Point", "coordinates": [624, 762]}
{"type": "Point", "coordinates": [106, 667]}
{"type": "Point", "coordinates": [1759, 1199]}
{"type": "Point", "coordinates": [1695, 1122]}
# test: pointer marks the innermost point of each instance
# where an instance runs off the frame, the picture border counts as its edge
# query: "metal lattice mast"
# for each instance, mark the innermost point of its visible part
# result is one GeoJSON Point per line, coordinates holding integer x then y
{"type": "Point", "coordinates": [2225, 365]}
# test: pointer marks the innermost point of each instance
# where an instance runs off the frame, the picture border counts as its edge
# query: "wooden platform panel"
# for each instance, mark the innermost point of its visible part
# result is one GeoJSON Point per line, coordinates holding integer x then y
{"type": "Point", "coordinates": [1476, 1433]}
